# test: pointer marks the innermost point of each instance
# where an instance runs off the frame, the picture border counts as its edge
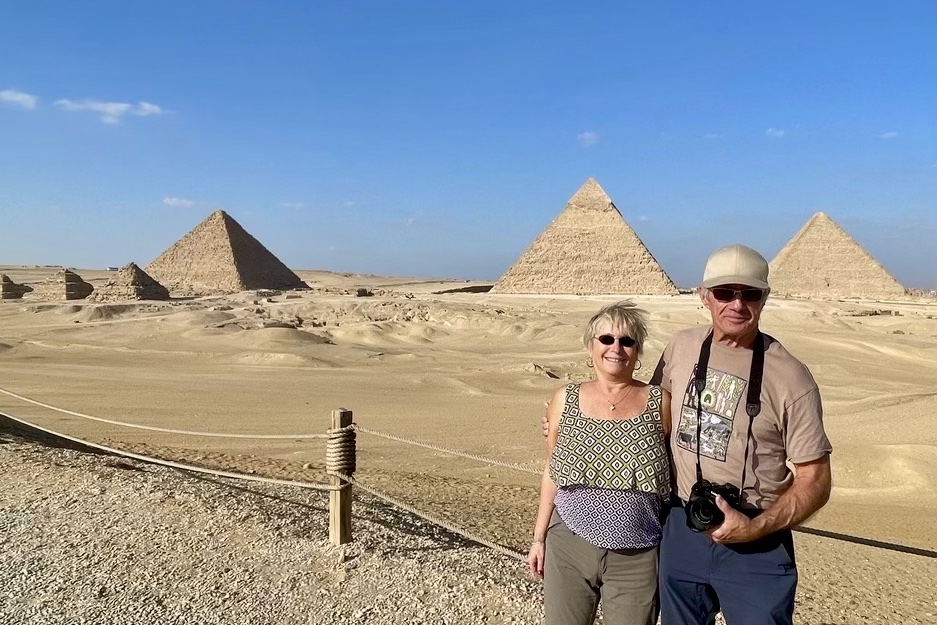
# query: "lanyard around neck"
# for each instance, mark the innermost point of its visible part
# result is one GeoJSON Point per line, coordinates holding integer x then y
{"type": "Point", "coordinates": [753, 400]}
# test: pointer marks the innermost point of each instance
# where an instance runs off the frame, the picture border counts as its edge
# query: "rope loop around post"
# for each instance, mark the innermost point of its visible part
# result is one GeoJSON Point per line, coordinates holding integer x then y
{"type": "Point", "coordinates": [340, 451]}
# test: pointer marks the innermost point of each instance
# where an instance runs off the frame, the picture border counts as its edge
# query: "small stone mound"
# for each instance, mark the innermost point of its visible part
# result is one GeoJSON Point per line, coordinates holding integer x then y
{"type": "Point", "coordinates": [64, 284]}
{"type": "Point", "coordinates": [10, 289]}
{"type": "Point", "coordinates": [130, 283]}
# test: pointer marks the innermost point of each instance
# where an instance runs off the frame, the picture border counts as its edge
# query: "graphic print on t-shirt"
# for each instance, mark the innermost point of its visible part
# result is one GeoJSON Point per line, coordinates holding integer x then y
{"type": "Point", "coordinates": [720, 399]}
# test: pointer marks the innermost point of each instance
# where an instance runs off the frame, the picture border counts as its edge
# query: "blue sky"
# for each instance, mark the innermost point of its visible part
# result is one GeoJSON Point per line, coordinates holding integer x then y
{"type": "Point", "coordinates": [439, 138]}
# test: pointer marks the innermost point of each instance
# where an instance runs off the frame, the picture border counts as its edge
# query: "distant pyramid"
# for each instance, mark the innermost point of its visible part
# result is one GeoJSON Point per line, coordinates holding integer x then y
{"type": "Point", "coordinates": [10, 289]}
{"type": "Point", "coordinates": [64, 284]}
{"type": "Point", "coordinates": [129, 283]}
{"type": "Point", "coordinates": [823, 261]}
{"type": "Point", "coordinates": [588, 249]}
{"type": "Point", "coordinates": [219, 256]}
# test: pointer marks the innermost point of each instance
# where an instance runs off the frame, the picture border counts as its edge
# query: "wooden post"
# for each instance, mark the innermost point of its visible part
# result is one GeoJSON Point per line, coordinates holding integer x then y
{"type": "Point", "coordinates": [340, 499]}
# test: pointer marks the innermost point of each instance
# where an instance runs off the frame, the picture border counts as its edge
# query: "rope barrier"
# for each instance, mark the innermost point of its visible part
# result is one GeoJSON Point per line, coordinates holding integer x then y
{"type": "Point", "coordinates": [511, 553]}
{"type": "Point", "coordinates": [340, 461]}
{"type": "Point", "coordinates": [165, 430]}
{"type": "Point", "coordinates": [341, 438]}
{"type": "Point", "coordinates": [168, 463]}
{"type": "Point", "coordinates": [454, 452]}
{"type": "Point", "coordinates": [868, 542]}
{"type": "Point", "coordinates": [340, 451]}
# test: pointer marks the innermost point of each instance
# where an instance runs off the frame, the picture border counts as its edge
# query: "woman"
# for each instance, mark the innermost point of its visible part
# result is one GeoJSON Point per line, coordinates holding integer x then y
{"type": "Point", "coordinates": [605, 483]}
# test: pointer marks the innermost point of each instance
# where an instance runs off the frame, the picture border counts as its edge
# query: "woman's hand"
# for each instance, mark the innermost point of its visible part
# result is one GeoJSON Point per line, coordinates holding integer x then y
{"type": "Point", "coordinates": [535, 558]}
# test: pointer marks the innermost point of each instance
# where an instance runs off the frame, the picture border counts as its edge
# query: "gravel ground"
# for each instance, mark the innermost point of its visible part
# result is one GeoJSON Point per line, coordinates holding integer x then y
{"type": "Point", "coordinates": [87, 538]}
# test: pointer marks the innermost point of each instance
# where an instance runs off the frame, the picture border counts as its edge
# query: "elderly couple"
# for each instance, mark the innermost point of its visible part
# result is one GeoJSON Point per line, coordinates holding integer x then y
{"type": "Point", "coordinates": [679, 496]}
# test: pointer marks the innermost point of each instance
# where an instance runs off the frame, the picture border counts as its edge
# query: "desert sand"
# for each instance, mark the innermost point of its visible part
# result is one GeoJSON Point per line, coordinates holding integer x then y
{"type": "Point", "coordinates": [448, 364]}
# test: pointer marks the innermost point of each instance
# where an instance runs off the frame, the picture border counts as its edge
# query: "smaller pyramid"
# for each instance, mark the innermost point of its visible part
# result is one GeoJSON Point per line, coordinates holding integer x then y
{"type": "Point", "coordinates": [823, 261]}
{"type": "Point", "coordinates": [64, 284]}
{"type": "Point", "coordinates": [588, 249]}
{"type": "Point", "coordinates": [10, 289]}
{"type": "Point", "coordinates": [130, 283]}
{"type": "Point", "coordinates": [219, 256]}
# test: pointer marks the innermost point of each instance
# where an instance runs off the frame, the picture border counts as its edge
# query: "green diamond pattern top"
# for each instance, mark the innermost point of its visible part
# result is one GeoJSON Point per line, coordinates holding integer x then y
{"type": "Point", "coordinates": [619, 454]}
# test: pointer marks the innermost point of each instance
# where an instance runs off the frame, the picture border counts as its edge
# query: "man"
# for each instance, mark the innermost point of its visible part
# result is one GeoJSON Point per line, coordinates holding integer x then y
{"type": "Point", "coordinates": [752, 413]}
{"type": "Point", "coordinates": [743, 565]}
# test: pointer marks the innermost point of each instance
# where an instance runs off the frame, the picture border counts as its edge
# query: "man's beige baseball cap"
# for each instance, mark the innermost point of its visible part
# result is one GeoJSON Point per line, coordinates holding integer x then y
{"type": "Point", "coordinates": [736, 264]}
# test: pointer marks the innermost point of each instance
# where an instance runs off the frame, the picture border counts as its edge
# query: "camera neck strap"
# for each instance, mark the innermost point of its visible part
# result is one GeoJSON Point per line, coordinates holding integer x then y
{"type": "Point", "coordinates": [752, 403]}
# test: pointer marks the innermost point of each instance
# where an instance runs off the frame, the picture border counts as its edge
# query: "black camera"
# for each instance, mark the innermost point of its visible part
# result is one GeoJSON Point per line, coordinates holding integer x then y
{"type": "Point", "coordinates": [702, 513]}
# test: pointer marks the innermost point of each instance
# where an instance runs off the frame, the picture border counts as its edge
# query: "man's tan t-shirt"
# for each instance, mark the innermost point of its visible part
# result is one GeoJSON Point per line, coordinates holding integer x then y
{"type": "Point", "coordinates": [788, 428]}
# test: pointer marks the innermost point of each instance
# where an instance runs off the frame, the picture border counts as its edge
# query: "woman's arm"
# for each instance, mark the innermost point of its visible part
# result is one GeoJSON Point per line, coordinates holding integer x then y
{"type": "Point", "coordinates": [535, 557]}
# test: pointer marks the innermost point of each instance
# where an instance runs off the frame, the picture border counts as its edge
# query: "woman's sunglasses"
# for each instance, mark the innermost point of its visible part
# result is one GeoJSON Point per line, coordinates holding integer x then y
{"type": "Point", "coordinates": [624, 341]}
{"type": "Point", "coordinates": [725, 294]}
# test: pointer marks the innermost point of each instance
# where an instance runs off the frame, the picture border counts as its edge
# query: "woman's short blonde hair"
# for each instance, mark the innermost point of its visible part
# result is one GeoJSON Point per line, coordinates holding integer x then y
{"type": "Point", "coordinates": [624, 315]}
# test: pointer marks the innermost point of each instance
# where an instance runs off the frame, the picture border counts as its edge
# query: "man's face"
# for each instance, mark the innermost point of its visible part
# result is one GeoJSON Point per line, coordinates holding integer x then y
{"type": "Point", "coordinates": [735, 311]}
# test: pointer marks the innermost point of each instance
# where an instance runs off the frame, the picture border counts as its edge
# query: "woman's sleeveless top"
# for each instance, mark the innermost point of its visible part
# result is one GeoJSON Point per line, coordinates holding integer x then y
{"type": "Point", "coordinates": [613, 476]}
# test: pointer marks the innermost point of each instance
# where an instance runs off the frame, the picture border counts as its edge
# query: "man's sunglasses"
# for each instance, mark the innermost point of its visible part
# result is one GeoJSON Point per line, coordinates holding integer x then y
{"type": "Point", "coordinates": [624, 341]}
{"type": "Point", "coordinates": [725, 294]}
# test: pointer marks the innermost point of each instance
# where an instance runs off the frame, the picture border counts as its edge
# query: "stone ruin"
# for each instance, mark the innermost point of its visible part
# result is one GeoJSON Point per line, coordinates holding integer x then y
{"type": "Point", "coordinates": [64, 284]}
{"type": "Point", "coordinates": [130, 283]}
{"type": "Point", "coordinates": [10, 289]}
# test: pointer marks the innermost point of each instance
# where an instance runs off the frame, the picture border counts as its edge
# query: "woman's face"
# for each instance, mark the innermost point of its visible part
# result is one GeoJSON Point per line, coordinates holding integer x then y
{"type": "Point", "coordinates": [615, 360]}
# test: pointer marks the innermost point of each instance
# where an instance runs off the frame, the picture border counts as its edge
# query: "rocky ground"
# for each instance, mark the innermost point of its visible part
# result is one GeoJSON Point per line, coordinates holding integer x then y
{"type": "Point", "coordinates": [87, 538]}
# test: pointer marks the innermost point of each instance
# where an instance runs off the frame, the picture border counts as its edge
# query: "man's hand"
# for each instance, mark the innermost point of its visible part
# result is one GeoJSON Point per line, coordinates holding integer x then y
{"type": "Point", "coordinates": [737, 528]}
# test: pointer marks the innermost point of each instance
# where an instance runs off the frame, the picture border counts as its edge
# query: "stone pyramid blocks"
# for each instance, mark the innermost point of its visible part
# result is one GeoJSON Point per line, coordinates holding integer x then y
{"type": "Point", "coordinates": [10, 289]}
{"type": "Point", "coordinates": [64, 284]}
{"type": "Point", "coordinates": [588, 249]}
{"type": "Point", "coordinates": [823, 261]}
{"type": "Point", "coordinates": [130, 283]}
{"type": "Point", "coordinates": [219, 256]}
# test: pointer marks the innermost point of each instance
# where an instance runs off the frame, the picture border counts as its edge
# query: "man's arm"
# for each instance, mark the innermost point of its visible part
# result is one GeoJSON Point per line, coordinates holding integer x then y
{"type": "Point", "coordinates": [809, 492]}
{"type": "Point", "coordinates": [537, 552]}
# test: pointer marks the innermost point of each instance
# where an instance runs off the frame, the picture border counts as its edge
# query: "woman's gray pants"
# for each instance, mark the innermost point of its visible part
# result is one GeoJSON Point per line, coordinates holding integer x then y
{"type": "Point", "coordinates": [577, 574]}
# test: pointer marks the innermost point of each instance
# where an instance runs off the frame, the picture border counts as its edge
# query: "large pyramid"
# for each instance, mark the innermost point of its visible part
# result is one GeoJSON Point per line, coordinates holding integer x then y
{"type": "Point", "coordinates": [130, 283]}
{"type": "Point", "coordinates": [822, 260]}
{"type": "Point", "coordinates": [219, 256]}
{"type": "Point", "coordinates": [588, 249]}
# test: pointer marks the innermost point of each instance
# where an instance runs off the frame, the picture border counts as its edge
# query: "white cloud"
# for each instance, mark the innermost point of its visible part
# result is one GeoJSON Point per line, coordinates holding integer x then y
{"type": "Point", "coordinates": [26, 100]}
{"type": "Point", "coordinates": [147, 108]}
{"type": "Point", "coordinates": [891, 134]}
{"type": "Point", "coordinates": [111, 112]}
{"type": "Point", "coordinates": [587, 139]}
{"type": "Point", "coordinates": [348, 204]}
{"type": "Point", "coordinates": [644, 218]}
{"type": "Point", "coordinates": [775, 132]}
{"type": "Point", "coordinates": [712, 136]}
{"type": "Point", "coordinates": [178, 202]}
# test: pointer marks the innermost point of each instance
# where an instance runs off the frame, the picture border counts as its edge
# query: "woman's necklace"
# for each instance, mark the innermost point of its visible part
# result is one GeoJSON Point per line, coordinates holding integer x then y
{"type": "Point", "coordinates": [611, 404]}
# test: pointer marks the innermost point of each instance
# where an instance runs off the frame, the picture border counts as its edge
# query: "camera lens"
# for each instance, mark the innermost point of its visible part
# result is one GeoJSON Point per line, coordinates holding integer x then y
{"type": "Point", "coordinates": [703, 514]}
